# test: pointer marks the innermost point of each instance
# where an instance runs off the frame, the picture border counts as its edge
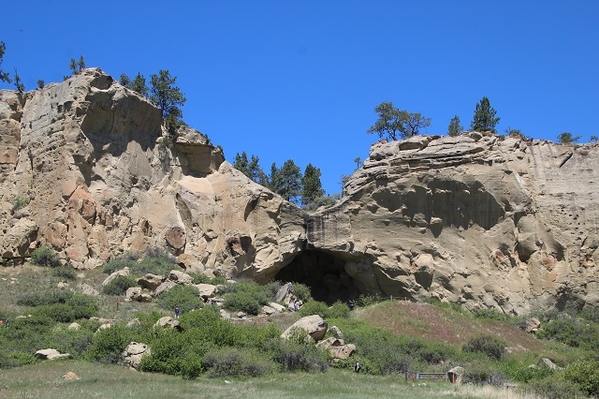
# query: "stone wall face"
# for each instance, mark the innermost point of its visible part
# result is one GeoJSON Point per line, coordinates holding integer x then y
{"type": "Point", "coordinates": [474, 219]}
{"type": "Point", "coordinates": [87, 169]}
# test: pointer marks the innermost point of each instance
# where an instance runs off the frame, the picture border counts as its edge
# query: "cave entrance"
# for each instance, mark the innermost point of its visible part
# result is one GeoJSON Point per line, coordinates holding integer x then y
{"type": "Point", "coordinates": [324, 273]}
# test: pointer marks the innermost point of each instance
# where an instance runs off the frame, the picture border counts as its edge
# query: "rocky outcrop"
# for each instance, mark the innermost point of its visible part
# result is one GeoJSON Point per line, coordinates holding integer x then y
{"type": "Point", "coordinates": [487, 222]}
{"type": "Point", "coordinates": [479, 220]}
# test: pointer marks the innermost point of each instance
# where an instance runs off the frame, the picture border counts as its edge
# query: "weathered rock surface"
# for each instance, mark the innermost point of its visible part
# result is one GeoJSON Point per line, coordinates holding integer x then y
{"type": "Point", "coordinates": [50, 354]}
{"type": "Point", "coordinates": [87, 169]}
{"type": "Point", "coordinates": [133, 354]}
{"type": "Point", "coordinates": [337, 348]}
{"type": "Point", "coordinates": [313, 325]}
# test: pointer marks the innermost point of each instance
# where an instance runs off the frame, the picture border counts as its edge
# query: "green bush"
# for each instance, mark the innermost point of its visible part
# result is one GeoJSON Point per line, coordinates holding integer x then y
{"type": "Point", "coordinates": [585, 375]}
{"type": "Point", "coordinates": [186, 297]}
{"type": "Point", "coordinates": [44, 256]}
{"type": "Point", "coordinates": [302, 292]}
{"type": "Point", "coordinates": [521, 371]}
{"type": "Point", "coordinates": [78, 306]}
{"type": "Point", "coordinates": [297, 356]}
{"type": "Point", "coordinates": [155, 262]}
{"type": "Point", "coordinates": [108, 344]}
{"type": "Point", "coordinates": [119, 285]}
{"type": "Point", "coordinates": [38, 298]}
{"type": "Point", "coordinates": [338, 310]}
{"type": "Point", "coordinates": [64, 272]}
{"type": "Point", "coordinates": [572, 332]}
{"type": "Point", "coordinates": [118, 263]}
{"type": "Point", "coordinates": [247, 297]}
{"type": "Point", "coordinates": [314, 308]}
{"type": "Point", "coordinates": [234, 362]}
{"type": "Point", "coordinates": [554, 387]}
{"type": "Point", "coordinates": [19, 201]}
{"type": "Point", "coordinates": [168, 349]}
{"type": "Point", "coordinates": [488, 313]}
{"type": "Point", "coordinates": [489, 345]}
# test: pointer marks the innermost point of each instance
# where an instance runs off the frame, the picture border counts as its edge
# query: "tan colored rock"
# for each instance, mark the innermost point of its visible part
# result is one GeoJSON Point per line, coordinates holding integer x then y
{"type": "Point", "coordinates": [337, 348]}
{"type": "Point", "coordinates": [180, 277]}
{"type": "Point", "coordinates": [74, 326]}
{"type": "Point", "coordinates": [313, 325]}
{"type": "Point", "coordinates": [50, 354]}
{"type": "Point", "coordinates": [150, 281]}
{"type": "Point", "coordinates": [168, 321]}
{"type": "Point", "coordinates": [532, 325]}
{"type": "Point", "coordinates": [123, 272]}
{"type": "Point", "coordinates": [206, 291]}
{"type": "Point", "coordinates": [133, 354]}
{"type": "Point", "coordinates": [70, 376]}
{"type": "Point", "coordinates": [164, 287]}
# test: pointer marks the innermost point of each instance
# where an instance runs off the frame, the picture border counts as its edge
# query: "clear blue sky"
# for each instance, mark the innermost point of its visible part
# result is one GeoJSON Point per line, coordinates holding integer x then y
{"type": "Point", "coordinates": [299, 79]}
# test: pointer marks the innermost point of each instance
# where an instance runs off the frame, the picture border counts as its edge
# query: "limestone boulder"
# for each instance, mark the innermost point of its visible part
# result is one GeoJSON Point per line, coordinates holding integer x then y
{"type": "Point", "coordinates": [50, 354]}
{"type": "Point", "coordinates": [150, 281]}
{"type": "Point", "coordinates": [337, 348]}
{"type": "Point", "coordinates": [133, 353]}
{"type": "Point", "coordinates": [123, 272]}
{"type": "Point", "coordinates": [169, 322]}
{"type": "Point", "coordinates": [314, 326]}
{"type": "Point", "coordinates": [206, 291]}
{"type": "Point", "coordinates": [180, 277]}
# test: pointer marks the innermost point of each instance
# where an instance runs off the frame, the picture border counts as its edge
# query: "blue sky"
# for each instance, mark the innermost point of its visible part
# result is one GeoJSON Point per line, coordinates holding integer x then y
{"type": "Point", "coordinates": [300, 79]}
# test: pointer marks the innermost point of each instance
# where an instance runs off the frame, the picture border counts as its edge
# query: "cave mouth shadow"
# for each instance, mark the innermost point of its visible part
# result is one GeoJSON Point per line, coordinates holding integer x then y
{"type": "Point", "coordinates": [324, 273]}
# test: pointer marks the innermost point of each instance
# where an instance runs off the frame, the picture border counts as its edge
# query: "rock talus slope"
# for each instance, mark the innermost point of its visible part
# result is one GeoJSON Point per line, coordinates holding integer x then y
{"type": "Point", "coordinates": [87, 169]}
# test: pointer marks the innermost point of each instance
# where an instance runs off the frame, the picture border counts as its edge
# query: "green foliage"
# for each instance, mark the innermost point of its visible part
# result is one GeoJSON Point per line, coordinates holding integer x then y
{"type": "Point", "coordinates": [297, 356]}
{"type": "Point", "coordinates": [337, 310]}
{"type": "Point", "coordinates": [40, 298]}
{"type": "Point", "coordinates": [516, 133]}
{"type": "Point", "coordinates": [585, 374]}
{"type": "Point", "coordinates": [555, 387]}
{"type": "Point", "coordinates": [567, 138]}
{"type": "Point", "coordinates": [64, 272]}
{"type": "Point", "coordinates": [78, 306]}
{"type": "Point", "coordinates": [250, 168]}
{"type": "Point", "coordinates": [368, 300]}
{"type": "Point", "coordinates": [484, 117]}
{"type": "Point", "coordinates": [521, 370]}
{"type": "Point", "coordinates": [311, 185]}
{"type": "Point", "coordinates": [394, 123]}
{"type": "Point", "coordinates": [247, 297]}
{"type": "Point", "coordinates": [168, 98]}
{"type": "Point", "coordinates": [571, 331]}
{"type": "Point", "coordinates": [489, 345]}
{"type": "Point", "coordinates": [156, 262]}
{"type": "Point", "coordinates": [77, 66]}
{"type": "Point", "coordinates": [594, 138]}
{"type": "Point", "coordinates": [487, 313]}
{"type": "Point", "coordinates": [41, 83]}
{"type": "Point", "coordinates": [302, 292]}
{"type": "Point", "coordinates": [233, 362]}
{"type": "Point", "coordinates": [4, 76]}
{"type": "Point", "coordinates": [287, 181]}
{"type": "Point", "coordinates": [19, 201]}
{"type": "Point", "coordinates": [455, 128]}
{"type": "Point", "coordinates": [44, 256]}
{"type": "Point", "coordinates": [108, 344]}
{"type": "Point", "coordinates": [186, 297]}
{"type": "Point", "coordinates": [18, 82]}
{"type": "Point", "coordinates": [119, 285]}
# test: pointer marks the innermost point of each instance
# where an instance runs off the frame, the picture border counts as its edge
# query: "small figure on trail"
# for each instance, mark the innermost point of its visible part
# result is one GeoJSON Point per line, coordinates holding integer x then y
{"type": "Point", "coordinates": [176, 312]}
{"type": "Point", "coordinates": [357, 367]}
{"type": "Point", "coordinates": [296, 305]}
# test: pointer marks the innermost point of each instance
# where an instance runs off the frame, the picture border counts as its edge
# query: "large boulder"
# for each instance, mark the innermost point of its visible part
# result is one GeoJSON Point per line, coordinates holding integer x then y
{"type": "Point", "coordinates": [337, 348]}
{"type": "Point", "coordinates": [314, 326]}
{"type": "Point", "coordinates": [133, 354]}
{"type": "Point", "coordinates": [50, 354]}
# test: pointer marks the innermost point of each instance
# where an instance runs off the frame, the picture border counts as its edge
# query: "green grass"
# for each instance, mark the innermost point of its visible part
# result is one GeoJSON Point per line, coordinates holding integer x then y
{"type": "Point", "coordinates": [113, 382]}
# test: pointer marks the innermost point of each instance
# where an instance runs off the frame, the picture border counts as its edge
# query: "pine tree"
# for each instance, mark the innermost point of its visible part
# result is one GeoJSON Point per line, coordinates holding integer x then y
{"type": "Point", "coordinates": [484, 117]}
{"type": "Point", "coordinates": [250, 168]}
{"type": "Point", "coordinates": [311, 185]}
{"type": "Point", "coordinates": [394, 123]}
{"type": "Point", "coordinates": [287, 181]}
{"type": "Point", "coordinates": [4, 76]}
{"type": "Point", "coordinates": [455, 128]}
{"type": "Point", "coordinates": [167, 97]}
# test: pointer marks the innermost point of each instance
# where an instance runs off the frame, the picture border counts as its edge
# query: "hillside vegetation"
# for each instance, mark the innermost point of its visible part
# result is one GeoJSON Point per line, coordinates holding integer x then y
{"type": "Point", "coordinates": [395, 340]}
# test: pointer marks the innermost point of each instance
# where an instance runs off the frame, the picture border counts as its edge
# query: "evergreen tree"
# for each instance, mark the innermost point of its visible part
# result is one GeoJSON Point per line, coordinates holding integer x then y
{"type": "Point", "coordinates": [41, 83]}
{"type": "Point", "coordinates": [167, 97]}
{"type": "Point", "coordinates": [455, 128]}
{"type": "Point", "coordinates": [4, 76]}
{"type": "Point", "coordinates": [125, 81]}
{"type": "Point", "coordinates": [250, 168]}
{"type": "Point", "coordinates": [139, 85]}
{"type": "Point", "coordinates": [287, 181]}
{"type": "Point", "coordinates": [484, 117]}
{"type": "Point", "coordinates": [394, 123]}
{"type": "Point", "coordinates": [77, 66]}
{"type": "Point", "coordinates": [567, 138]}
{"type": "Point", "coordinates": [311, 185]}
{"type": "Point", "coordinates": [18, 83]}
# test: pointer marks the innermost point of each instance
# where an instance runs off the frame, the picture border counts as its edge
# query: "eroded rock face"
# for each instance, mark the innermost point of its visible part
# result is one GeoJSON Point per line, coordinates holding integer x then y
{"type": "Point", "coordinates": [87, 169]}
{"type": "Point", "coordinates": [485, 222]}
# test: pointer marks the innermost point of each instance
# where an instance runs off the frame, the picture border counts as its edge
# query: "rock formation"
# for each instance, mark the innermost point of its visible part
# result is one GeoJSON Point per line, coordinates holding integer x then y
{"type": "Point", "coordinates": [87, 169]}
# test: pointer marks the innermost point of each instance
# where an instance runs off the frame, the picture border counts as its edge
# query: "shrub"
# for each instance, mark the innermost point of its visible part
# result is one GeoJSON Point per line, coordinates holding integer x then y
{"type": "Point", "coordinates": [64, 272]}
{"type": "Point", "coordinates": [521, 371]}
{"type": "Point", "coordinates": [572, 332]}
{"type": "Point", "coordinates": [192, 366]}
{"type": "Point", "coordinates": [119, 285]}
{"type": "Point", "coordinates": [585, 374]}
{"type": "Point", "coordinates": [488, 313]}
{"type": "Point", "coordinates": [115, 264]}
{"type": "Point", "coordinates": [108, 344]}
{"type": "Point", "coordinates": [168, 349]}
{"type": "Point", "coordinates": [20, 201]}
{"type": "Point", "coordinates": [78, 306]}
{"type": "Point", "coordinates": [489, 345]}
{"type": "Point", "coordinates": [338, 310]}
{"type": "Point", "coordinates": [44, 256]}
{"type": "Point", "coordinates": [232, 362]}
{"type": "Point", "coordinates": [314, 308]}
{"type": "Point", "coordinates": [186, 297]}
{"type": "Point", "coordinates": [297, 356]}
{"type": "Point", "coordinates": [247, 297]}
{"type": "Point", "coordinates": [155, 262]}
{"type": "Point", "coordinates": [302, 292]}
{"type": "Point", "coordinates": [555, 387]}
{"type": "Point", "coordinates": [49, 297]}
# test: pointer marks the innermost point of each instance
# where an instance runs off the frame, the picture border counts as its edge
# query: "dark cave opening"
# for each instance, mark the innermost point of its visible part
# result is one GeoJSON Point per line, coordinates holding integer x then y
{"type": "Point", "coordinates": [324, 273]}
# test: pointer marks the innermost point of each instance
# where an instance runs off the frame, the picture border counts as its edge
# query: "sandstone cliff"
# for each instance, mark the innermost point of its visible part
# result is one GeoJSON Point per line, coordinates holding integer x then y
{"type": "Point", "coordinates": [87, 169]}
